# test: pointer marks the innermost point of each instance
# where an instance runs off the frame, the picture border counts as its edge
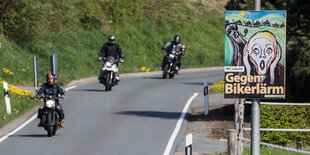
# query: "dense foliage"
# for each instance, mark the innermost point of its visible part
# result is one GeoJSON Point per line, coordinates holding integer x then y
{"type": "Point", "coordinates": [75, 31]}
{"type": "Point", "coordinates": [285, 117]}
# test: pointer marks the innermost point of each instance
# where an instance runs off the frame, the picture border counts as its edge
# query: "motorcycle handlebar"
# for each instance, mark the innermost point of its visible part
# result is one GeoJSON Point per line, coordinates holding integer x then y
{"type": "Point", "coordinates": [39, 97]}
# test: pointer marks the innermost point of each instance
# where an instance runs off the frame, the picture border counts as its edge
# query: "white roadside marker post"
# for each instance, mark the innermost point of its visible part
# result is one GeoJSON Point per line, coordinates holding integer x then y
{"type": "Point", "coordinates": [7, 98]}
{"type": "Point", "coordinates": [189, 144]}
{"type": "Point", "coordinates": [206, 98]}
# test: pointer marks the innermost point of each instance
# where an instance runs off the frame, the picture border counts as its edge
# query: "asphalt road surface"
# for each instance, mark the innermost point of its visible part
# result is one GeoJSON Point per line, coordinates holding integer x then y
{"type": "Point", "coordinates": [136, 118]}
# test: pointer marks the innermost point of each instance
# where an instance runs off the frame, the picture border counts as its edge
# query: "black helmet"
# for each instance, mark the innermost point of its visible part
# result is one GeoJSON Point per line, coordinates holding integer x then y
{"type": "Point", "coordinates": [50, 78]}
{"type": "Point", "coordinates": [111, 39]}
{"type": "Point", "coordinates": [177, 39]}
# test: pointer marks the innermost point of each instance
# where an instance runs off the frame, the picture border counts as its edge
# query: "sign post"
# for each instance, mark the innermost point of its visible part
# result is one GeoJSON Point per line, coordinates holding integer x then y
{"type": "Point", "coordinates": [255, 110]}
{"type": "Point", "coordinates": [255, 60]}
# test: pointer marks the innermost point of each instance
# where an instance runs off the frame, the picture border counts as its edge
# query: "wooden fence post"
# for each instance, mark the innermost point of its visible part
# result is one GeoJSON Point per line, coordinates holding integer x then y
{"type": "Point", "coordinates": [232, 141]}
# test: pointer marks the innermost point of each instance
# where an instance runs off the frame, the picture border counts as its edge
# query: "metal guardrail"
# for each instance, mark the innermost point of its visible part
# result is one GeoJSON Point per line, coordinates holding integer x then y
{"type": "Point", "coordinates": [278, 103]}
{"type": "Point", "coordinates": [274, 129]}
{"type": "Point", "coordinates": [276, 146]}
{"type": "Point", "coordinates": [240, 127]}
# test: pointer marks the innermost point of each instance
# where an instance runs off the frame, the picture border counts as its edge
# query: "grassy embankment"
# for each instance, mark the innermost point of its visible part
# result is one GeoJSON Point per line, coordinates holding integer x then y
{"type": "Point", "coordinates": [141, 38]}
{"type": "Point", "coordinates": [141, 42]}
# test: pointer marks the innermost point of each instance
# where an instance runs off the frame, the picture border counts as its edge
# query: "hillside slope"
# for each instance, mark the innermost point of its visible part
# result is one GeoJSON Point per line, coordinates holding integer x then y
{"type": "Point", "coordinates": [76, 34]}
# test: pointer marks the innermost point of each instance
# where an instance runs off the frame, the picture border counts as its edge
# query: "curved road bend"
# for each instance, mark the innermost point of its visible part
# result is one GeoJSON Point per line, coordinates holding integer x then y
{"type": "Point", "coordinates": [137, 117]}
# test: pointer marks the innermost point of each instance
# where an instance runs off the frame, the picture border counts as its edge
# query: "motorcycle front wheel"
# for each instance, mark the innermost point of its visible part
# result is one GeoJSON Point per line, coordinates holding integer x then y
{"type": "Point", "coordinates": [165, 71]}
{"type": "Point", "coordinates": [56, 122]}
{"type": "Point", "coordinates": [49, 124]}
{"type": "Point", "coordinates": [107, 81]}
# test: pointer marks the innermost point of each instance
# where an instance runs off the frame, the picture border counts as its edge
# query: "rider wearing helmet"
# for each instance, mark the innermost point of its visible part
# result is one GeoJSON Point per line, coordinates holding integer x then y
{"type": "Point", "coordinates": [111, 48]}
{"type": "Point", "coordinates": [180, 49]}
{"type": "Point", "coordinates": [51, 87]}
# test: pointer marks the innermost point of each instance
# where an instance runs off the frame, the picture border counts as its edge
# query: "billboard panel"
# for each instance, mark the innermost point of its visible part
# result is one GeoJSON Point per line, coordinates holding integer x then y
{"type": "Point", "coordinates": [255, 54]}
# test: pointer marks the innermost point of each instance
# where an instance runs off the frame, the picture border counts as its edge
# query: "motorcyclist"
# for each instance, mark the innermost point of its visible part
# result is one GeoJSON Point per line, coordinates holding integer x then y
{"type": "Point", "coordinates": [111, 48]}
{"type": "Point", "coordinates": [50, 87]}
{"type": "Point", "coordinates": [180, 50]}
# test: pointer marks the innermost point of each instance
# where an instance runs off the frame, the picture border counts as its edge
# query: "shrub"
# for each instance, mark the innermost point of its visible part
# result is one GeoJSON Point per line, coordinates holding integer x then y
{"type": "Point", "coordinates": [285, 117]}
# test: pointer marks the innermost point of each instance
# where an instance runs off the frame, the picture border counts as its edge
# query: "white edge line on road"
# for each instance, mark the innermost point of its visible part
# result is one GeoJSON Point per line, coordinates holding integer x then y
{"type": "Point", "coordinates": [70, 88]}
{"type": "Point", "coordinates": [27, 122]}
{"type": "Point", "coordinates": [20, 127]}
{"type": "Point", "coordinates": [178, 126]}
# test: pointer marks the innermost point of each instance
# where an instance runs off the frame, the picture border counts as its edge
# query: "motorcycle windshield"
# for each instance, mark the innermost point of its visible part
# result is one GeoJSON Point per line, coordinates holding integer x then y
{"type": "Point", "coordinates": [173, 49]}
{"type": "Point", "coordinates": [110, 59]}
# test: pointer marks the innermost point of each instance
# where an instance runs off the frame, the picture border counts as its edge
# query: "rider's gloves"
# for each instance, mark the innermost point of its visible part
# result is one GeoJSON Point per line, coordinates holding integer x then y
{"type": "Point", "coordinates": [100, 58]}
{"type": "Point", "coordinates": [63, 97]}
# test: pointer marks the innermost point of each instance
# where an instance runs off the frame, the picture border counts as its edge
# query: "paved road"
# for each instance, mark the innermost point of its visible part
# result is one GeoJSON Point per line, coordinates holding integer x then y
{"type": "Point", "coordinates": [137, 117]}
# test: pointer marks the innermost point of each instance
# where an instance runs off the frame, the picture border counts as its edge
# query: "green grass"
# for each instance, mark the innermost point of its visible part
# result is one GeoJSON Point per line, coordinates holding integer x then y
{"type": "Point", "coordinates": [19, 105]}
{"type": "Point", "coordinates": [140, 41]}
{"type": "Point", "coordinates": [271, 151]}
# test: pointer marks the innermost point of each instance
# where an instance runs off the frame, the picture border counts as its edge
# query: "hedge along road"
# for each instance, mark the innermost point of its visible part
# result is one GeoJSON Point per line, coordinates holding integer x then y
{"type": "Point", "coordinates": [137, 117]}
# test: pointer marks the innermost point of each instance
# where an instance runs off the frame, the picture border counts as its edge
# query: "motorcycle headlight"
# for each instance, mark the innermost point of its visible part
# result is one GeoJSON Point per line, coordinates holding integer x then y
{"type": "Point", "coordinates": [50, 103]}
{"type": "Point", "coordinates": [109, 64]}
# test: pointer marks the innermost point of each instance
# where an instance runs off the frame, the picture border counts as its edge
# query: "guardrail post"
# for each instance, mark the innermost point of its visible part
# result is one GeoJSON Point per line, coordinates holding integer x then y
{"type": "Point", "coordinates": [7, 98]}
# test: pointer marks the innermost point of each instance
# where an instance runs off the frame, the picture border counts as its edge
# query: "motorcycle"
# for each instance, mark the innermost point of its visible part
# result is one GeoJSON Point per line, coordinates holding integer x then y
{"type": "Point", "coordinates": [170, 65]}
{"type": "Point", "coordinates": [50, 117]}
{"type": "Point", "coordinates": [108, 72]}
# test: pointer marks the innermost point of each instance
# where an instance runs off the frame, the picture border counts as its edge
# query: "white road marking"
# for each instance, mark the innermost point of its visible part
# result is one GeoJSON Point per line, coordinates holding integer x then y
{"type": "Point", "coordinates": [70, 88]}
{"type": "Point", "coordinates": [178, 126]}
{"type": "Point", "coordinates": [27, 122]}
{"type": "Point", "coordinates": [20, 127]}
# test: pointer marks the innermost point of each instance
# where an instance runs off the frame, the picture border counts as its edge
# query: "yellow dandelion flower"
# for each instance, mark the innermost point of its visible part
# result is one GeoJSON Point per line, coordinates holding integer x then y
{"type": "Point", "coordinates": [143, 69]}
{"type": "Point", "coordinates": [147, 69]}
{"type": "Point", "coordinates": [4, 117]}
{"type": "Point", "coordinates": [24, 70]}
{"type": "Point", "coordinates": [17, 111]}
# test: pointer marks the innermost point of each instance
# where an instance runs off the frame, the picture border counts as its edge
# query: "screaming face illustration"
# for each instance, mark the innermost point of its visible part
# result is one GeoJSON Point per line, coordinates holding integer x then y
{"type": "Point", "coordinates": [264, 52]}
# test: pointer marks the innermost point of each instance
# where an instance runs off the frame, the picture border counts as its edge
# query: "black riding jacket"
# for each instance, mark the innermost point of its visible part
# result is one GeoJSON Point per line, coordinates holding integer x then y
{"type": "Point", "coordinates": [52, 90]}
{"type": "Point", "coordinates": [111, 50]}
